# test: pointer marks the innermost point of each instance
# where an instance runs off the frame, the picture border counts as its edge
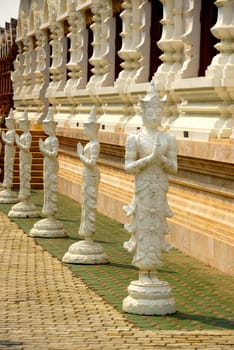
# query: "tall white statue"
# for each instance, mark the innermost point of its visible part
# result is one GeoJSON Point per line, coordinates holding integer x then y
{"type": "Point", "coordinates": [49, 227]}
{"type": "Point", "coordinates": [7, 195]}
{"type": "Point", "coordinates": [24, 208]}
{"type": "Point", "coordinates": [150, 157]}
{"type": "Point", "coordinates": [87, 251]}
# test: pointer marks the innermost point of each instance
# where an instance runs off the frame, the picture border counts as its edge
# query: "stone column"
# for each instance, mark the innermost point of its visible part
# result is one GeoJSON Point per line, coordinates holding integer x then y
{"type": "Point", "coordinates": [29, 66]}
{"type": "Point", "coordinates": [58, 68]}
{"type": "Point", "coordinates": [77, 65]}
{"type": "Point", "coordinates": [134, 41]}
{"type": "Point", "coordinates": [172, 45]}
{"type": "Point", "coordinates": [221, 69]}
{"type": "Point", "coordinates": [103, 74]}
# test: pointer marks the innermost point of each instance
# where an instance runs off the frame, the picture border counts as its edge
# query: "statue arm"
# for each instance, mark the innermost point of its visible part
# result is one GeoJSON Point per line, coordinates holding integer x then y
{"type": "Point", "coordinates": [8, 139]}
{"type": "Point", "coordinates": [132, 164]}
{"type": "Point", "coordinates": [54, 146]}
{"type": "Point", "coordinates": [169, 161]}
{"type": "Point", "coordinates": [24, 146]}
{"type": "Point", "coordinates": [55, 149]}
{"type": "Point", "coordinates": [94, 152]}
{"type": "Point", "coordinates": [3, 134]}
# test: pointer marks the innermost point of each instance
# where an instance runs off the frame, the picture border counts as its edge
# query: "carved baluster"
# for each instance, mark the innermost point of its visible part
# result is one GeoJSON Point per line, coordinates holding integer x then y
{"type": "Point", "coordinates": [59, 52]}
{"type": "Point", "coordinates": [222, 65]}
{"type": "Point", "coordinates": [221, 69]}
{"type": "Point", "coordinates": [42, 61]}
{"type": "Point", "coordinates": [77, 62]}
{"type": "Point", "coordinates": [170, 43]}
{"type": "Point", "coordinates": [29, 65]}
{"type": "Point", "coordinates": [134, 45]}
{"type": "Point", "coordinates": [16, 75]}
{"type": "Point", "coordinates": [101, 58]}
{"type": "Point", "coordinates": [42, 55]}
{"type": "Point", "coordinates": [191, 39]}
{"type": "Point", "coordinates": [27, 53]}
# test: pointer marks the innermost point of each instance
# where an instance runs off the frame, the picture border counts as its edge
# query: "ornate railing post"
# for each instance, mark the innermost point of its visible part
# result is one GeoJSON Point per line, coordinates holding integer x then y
{"type": "Point", "coordinates": [133, 44]}
{"type": "Point", "coordinates": [101, 57]}
{"type": "Point", "coordinates": [170, 43]}
{"type": "Point", "coordinates": [57, 69]}
{"type": "Point", "coordinates": [77, 63]}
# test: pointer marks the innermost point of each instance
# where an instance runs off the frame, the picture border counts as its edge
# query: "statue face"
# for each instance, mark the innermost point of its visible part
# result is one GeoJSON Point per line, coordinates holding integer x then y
{"type": "Point", "coordinates": [49, 128]}
{"type": "Point", "coordinates": [24, 125]}
{"type": "Point", "coordinates": [152, 118]}
{"type": "Point", "coordinates": [89, 131]}
{"type": "Point", "coordinates": [86, 131]}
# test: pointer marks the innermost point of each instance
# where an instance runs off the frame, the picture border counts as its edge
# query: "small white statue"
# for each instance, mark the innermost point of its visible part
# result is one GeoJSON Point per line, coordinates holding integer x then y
{"type": "Point", "coordinates": [7, 195]}
{"type": "Point", "coordinates": [49, 227]}
{"type": "Point", "coordinates": [87, 251]}
{"type": "Point", "coordinates": [91, 176]}
{"type": "Point", "coordinates": [24, 208]}
{"type": "Point", "coordinates": [150, 157]}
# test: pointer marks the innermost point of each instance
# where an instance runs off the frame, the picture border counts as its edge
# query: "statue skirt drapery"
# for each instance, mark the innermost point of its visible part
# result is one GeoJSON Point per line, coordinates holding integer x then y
{"type": "Point", "coordinates": [51, 167]}
{"type": "Point", "coordinates": [149, 225]}
{"type": "Point", "coordinates": [89, 202]}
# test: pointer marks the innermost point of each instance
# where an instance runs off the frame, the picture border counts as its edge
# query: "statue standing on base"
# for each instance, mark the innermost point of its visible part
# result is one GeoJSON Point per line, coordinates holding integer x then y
{"type": "Point", "coordinates": [49, 227]}
{"type": "Point", "coordinates": [7, 195]}
{"type": "Point", "coordinates": [24, 208]}
{"type": "Point", "coordinates": [87, 251]}
{"type": "Point", "coordinates": [150, 156]}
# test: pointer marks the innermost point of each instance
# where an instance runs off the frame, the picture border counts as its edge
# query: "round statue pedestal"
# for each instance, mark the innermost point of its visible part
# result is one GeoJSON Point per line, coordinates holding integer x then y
{"type": "Point", "coordinates": [149, 299]}
{"type": "Point", "coordinates": [8, 197]}
{"type": "Point", "coordinates": [24, 210]}
{"type": "Point", "coordinates": [48, 228]}
{"type": "Point", "coordinates": [85, 252]}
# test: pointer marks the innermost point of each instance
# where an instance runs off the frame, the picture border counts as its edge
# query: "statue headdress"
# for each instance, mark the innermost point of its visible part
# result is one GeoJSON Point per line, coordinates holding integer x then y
{"type": "Point", "coordinates": [92, 119]}
{"type": "Point", "coordinates": [152, 99]}
{"type": "Point", "coordinates": [24, 117]}
{"type": "Point", "coordinates": [49, 117]}
{"type": "Point", "coordinates": [10, 117]}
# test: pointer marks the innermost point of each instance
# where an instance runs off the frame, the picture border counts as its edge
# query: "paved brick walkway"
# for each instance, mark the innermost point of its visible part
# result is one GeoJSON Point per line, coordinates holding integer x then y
{"type": "Point", "coordinates": [44, 306]}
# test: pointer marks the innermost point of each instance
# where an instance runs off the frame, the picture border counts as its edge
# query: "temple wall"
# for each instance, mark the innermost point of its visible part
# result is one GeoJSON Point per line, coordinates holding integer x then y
{"type": "Point", "coordinates": [8, 52]}
{"type": "Point", "coordinates": [76, 54]}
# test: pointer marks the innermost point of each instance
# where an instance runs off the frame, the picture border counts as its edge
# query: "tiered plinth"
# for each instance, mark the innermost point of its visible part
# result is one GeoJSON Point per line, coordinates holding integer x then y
{"type": "Point", "coordinates": [85, 252]}
{"type": "Point", "coordinates": [149, 299]}
{"type": "Point", "coordinates": [24, 210]}
{"type": "Point", "coordinates": [48, 228]}
{"type": "Point", "coordinates": [8, 197]}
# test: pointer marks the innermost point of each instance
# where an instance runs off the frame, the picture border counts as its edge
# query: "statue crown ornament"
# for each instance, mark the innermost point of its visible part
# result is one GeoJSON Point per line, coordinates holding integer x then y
{"type": "Point", "coordinates": [24, 117]}
{"type": "Point", "coordinates": [92, 119]}
{"type": "Point", "coordinates": [10, 120]}
{"type": "Point", "coordinates": [10, 115]}
{"type": "Point", "coordinates": [49, 117]}
{"type": "Point", "coordinates": [152, 99]}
